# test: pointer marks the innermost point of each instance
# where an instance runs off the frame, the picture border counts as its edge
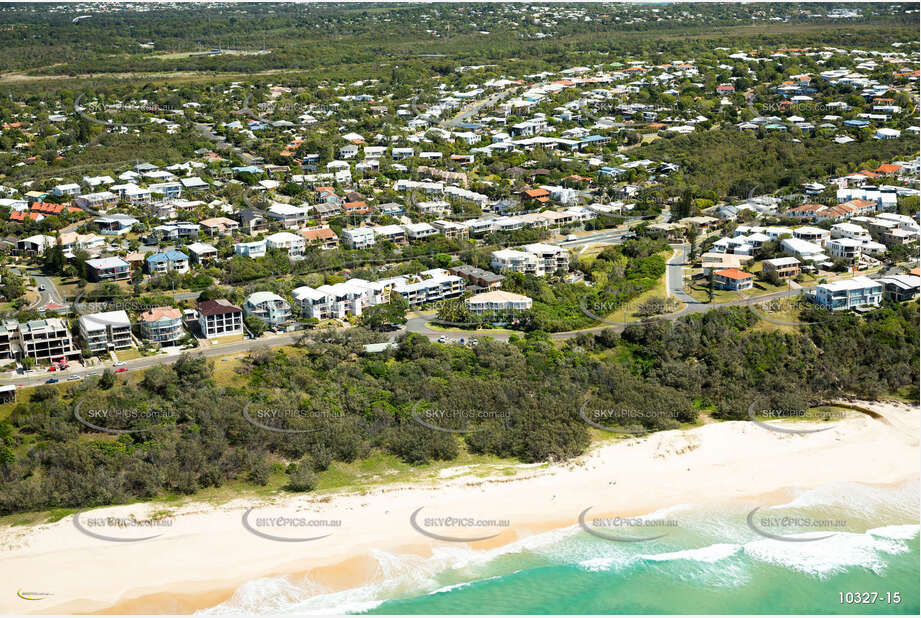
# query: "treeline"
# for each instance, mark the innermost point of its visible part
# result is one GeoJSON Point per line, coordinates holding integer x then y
{"type": "Point", "coordinates": [524, 399]}
{"type": "Point", "coordinates": [734, 163]}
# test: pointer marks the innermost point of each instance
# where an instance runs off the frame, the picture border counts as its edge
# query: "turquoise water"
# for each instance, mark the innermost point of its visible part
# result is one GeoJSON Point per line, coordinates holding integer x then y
{"type": "Point", "coordinates": [712, 563]}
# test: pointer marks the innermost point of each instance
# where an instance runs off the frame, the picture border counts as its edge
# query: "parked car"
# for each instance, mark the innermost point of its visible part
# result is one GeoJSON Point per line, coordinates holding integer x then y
{"type": "Point", "coordinates": [72, 378]}
{"type": "Point", "coordinates": [442, 339]}
{"type": "Point", "coordinates": [52, 381]}
{"type": "Point", "coordinates": [123, 369]}
{"type": "Point", "coordinates": [119, 364]}
{"type": "Point", "coordinates": [41, 288]}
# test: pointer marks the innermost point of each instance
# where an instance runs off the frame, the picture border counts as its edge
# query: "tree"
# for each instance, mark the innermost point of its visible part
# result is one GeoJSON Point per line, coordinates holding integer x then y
{"type": "Point", "coordinates": [303, 478]}
{"type": "Point", "coordinates": [387, 314]}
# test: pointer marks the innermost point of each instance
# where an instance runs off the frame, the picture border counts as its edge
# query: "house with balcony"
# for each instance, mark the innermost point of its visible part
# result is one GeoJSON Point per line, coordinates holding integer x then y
{"type": "Point", "coordinates": [253, 249]}
{"type": "Point", "coordinates": [497, 301]}
{"type": "Point", "coordinates": [167, 262]}
{"type": "Point", "coordinates": [292, 217]}
{"type": "Point", "coordinates": [101, 200]}
{"type": "Point", "coordinates": [46, 339]}
{"type": "Point", "coordinates": [848, 294]}
{"type": "Point", "coordinates": [733, 279]}
{"type": "Point", "coordinates": [293, 244]}
{"type": "Point", "coordinates": [320, 236]}
{"type": "Point", "coordinates": [783, 267]}
{"type": "Point", "coordinates": [107, 269]}
{"type": "Point", "coordinates": [269, 308]}
{"type": "Point", "coordinates": [162, 325]}
{"type": "Point", "coordinates": [202, 253]}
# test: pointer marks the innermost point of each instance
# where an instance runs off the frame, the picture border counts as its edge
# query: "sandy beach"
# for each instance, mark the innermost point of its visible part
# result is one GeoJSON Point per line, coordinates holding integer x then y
{"type": "Point", "coordinates": [206, 552]}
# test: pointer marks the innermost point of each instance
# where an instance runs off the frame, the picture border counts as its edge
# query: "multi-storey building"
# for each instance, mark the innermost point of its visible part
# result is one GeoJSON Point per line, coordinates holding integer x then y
{"type": "Point", "coordinates": [848, 294]}
{"type": "Point", "coordinates": [268, 307]}
{"type": "Point", "coordinates": [219, 318]}
{"type": "Point", "coordinates": [110, 330]}
{"type": "Point", "coordinates": [162, 325]}
{"type": "Point", "coordinates": [517, 261]}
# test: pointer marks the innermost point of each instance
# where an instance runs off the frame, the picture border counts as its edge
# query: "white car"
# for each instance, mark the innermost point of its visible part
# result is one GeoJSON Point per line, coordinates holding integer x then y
{"type": "Point", "coordinates": [119, 364]}
{"type": "Point", "coordinates": [442, 339]}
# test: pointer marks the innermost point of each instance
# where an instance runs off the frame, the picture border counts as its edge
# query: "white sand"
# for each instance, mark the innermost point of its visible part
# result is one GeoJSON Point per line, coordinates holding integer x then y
{"type": "Point", "coordinates": [206, 553]}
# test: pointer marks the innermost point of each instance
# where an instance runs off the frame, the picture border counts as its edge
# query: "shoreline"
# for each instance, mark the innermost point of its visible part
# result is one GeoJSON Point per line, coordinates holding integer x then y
{"type": "Point", "coordinates": [710, 464]}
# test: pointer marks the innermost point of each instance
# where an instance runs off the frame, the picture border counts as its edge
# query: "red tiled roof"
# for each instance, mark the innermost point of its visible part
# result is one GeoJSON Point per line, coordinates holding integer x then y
{"type": "Point", "coordinates": [734, 273]}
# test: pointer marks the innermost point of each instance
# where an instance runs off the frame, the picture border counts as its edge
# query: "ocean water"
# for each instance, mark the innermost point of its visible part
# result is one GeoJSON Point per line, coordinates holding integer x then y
{"type": "Point", "coordinates": [712, 562]}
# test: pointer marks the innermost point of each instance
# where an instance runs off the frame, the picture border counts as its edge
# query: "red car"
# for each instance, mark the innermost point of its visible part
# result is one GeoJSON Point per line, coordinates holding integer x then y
{"type": "Point", "coordinates": [120, 370]}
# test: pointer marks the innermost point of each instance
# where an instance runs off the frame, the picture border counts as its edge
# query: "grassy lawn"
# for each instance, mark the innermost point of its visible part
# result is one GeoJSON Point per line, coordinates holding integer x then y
{"type": "Point", "coordinates": [227, 339]}
{"type": "Point", "coordinates": [128, 354]}
{"type": "Point", "coordinates": [656, 291]}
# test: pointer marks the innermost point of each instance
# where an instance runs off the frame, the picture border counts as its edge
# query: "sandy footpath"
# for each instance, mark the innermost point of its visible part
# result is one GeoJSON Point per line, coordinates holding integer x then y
{"type": "Point", "coordinates": [206, 552]}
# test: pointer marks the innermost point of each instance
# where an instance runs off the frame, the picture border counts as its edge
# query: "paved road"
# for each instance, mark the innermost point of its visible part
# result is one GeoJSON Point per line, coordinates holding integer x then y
{"type": "Point", "coordinates": [245, 346]}
{"type": "Point", "coordinates": [471, 111]}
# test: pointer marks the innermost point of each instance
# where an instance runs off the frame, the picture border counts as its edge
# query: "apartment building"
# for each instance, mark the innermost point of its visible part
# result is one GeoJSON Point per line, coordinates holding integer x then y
{"type": "Point", "coordinates": [505, 260]}
{"type": "Point", "coordinates": [393, 233]}
{"type": "Point", "coordinates": [268, 307]}
{"type": "Point", "coordinates": [497, 301]}
{"type": "Point", "coordinates": [162, 325]}
{"type": "Point", "coordinates": [109, 330]}
{"type": "Point", "coordinates": [451, 229]}
{"type": "Point", "coordinates": [850, 230]}
{"type": "Point", "coordinates": [339, 300]}
{"type": "Point", "coordinates": [359, 237]}
{"type": "Point", "coordinates": [429, 286]}
{"type": "Point", "coordinates": [102, 200]}
{"type": "Point", "coordinates": [107, 269]}
{"type": "Point", "coordinates": [848, 294]}
{"type": "Point", "coordinates": [553, 258]}
{"type": "Point", "coordinates": [46, 339]}
{"type": "Point", "coordinates": [844, 248]}
{"type": "Point", "coordinates": [477, 278]}
{"type": "Point", "coordinates": [291, 217]}
{"type": "Point", "coordinates": [219, 318]}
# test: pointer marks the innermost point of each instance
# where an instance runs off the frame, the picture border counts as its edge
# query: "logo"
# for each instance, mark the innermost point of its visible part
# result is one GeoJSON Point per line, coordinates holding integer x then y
{"type": "Point", "coordinates": [454, 416]}
{"type": "Point", "coordinates": [791, 524]}
{"type": "Point", "coordinates": [284, 414]}
{"type": "Point", "coordinates": [623, 523]}
{"type": "Point", "coordinates": [285, 522]}
{"type": "Point", "coordinates": [119, 523]}
{"type": "Point", "coordinates": [462, 522]}
{"type": "Point", "coordinates": [794, 414]}
{"type": "Point", "coordinates": [593, 415]}
{"type": "Point", "coordinates": [32, 596]}
{"type": "Point", "coordinates": [124, 415]}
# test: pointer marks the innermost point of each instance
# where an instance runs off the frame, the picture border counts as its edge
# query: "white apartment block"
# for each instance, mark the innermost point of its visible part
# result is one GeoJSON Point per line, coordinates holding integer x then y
{"type": "Point", "coordinates": [292, 243]}
{"type": "Point", "coordinates": [109, 330]}
{"type": "Point", "coordinates": [505, 260]}
{"type": "Point", "coordinates": [554, 258]}
{"type": "Point", "coordinates": [359, 237]}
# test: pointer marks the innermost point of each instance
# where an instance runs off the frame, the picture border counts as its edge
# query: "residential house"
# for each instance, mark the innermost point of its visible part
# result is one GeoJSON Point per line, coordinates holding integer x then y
{"type": "Point", "coordinates": [321, 235]}
{"type": "Point", "coordinates": [219, 318]}
{"type": "Point", "coordinates": [202, 253]}
{"type": "Point", "coordinates": [46, 339]}
{"type": "Point", "coordinates": [107, 269]}
{"type": "Point", "coordinates": [505, 260]}
{"type": "Point", "coordinates": [899, 288]}
{"type": "Point", "coordinates": [783, 267]}
{"type": "Point", "coordinates": [554, 258]}
{"type": "Point", "coordinates": [253, 249]}
{"type": "Point", "coordinates": [733, 279]}
{"type": "Point", "coordinates": [162, 325]}
{"type": "Point", "coordinates": [167, 262]}
{"type": "Point", "coordinates": [268, 307]}
{"type": "Point", "coordinates": [359, 237]}
{"type": "Point", "coordinates": [848, 294]}
{"type": "Point", "coordinates": [292, 243]}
